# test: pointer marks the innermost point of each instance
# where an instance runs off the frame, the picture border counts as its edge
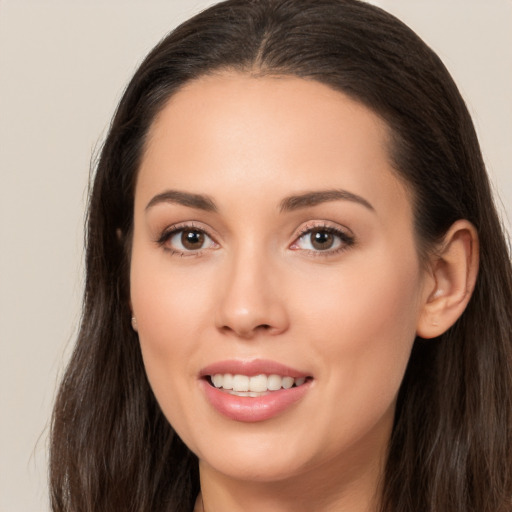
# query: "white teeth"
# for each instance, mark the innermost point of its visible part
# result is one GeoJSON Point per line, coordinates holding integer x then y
{"type": "Point", "coordinates": [242, 385]}
{"type": "Point", "coordinates": [300, 381]}
{"type": "Point", "coordinates": [252, 394]}
{"type": "Point", "coordinates": [218, 380]}
{"type": "Point", "coordinates": [258, 383]}
{"type": "Point", "coordinates": [228, 381]}
{"type": "Point", "coordinates": [238, 393]}
{"type": "Point", "coordinates": [287, 382]}
{"type": "Point", "coordinates": [274, 382]}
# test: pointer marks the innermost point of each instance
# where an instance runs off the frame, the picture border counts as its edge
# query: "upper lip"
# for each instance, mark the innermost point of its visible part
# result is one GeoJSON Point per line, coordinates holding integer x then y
{"type": "Point", "coordinates": [251, 367]}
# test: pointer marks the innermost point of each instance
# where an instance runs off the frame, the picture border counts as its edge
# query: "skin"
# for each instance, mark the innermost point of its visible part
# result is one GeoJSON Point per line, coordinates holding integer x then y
{"type": "Point", "coordinates": [258, 288]}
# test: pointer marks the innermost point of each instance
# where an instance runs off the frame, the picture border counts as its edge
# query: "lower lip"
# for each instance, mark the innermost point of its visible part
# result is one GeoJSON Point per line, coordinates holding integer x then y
{"type": "Point", "coordinates": [253, 409]}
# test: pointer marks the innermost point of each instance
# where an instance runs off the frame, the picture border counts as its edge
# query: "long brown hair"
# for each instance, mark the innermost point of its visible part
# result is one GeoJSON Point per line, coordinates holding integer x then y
{"type": "Point", "coordinates": [451, 447]}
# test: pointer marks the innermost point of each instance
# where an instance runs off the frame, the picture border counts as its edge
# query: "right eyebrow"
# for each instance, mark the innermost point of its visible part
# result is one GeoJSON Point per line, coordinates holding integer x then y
{"type": "Point", "coordinates": [316, 197]}
{"type": "Point", "coordinates": [197, 201]}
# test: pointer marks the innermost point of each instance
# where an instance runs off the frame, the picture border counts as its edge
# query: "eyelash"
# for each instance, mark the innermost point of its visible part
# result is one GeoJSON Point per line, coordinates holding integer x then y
{"type": "Point", "coordinates": [345, 240]}
{"type": "Point", "coordinates": [173, 230]}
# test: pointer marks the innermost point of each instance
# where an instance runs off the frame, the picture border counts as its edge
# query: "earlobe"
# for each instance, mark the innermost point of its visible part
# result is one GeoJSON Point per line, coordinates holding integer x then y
{"type": "Point", "coordinates": [453, 272]}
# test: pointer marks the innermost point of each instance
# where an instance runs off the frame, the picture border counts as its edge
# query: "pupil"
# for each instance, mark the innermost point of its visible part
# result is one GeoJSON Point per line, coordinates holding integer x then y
{"type": "Point", "coordinates": [192, 239]}
{"type": "Point", "coordinates": [322, 240]}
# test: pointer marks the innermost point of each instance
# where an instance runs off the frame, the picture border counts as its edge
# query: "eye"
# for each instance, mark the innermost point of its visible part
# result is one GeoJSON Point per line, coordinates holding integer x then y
{"type": "Point", "coordinates": [322, 239]}
{"type": "Point", "coordinates": [186, 240]}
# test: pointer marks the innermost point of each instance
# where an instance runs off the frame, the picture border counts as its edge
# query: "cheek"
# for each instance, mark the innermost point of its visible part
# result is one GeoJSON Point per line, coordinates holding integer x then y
{"type": "Point", "coordinates": [170, 310]}
{"type": "Point", "coordinates": [370, 298]}
{"type": "Point", "coordinates": [365, 324]}
{"type": "Point", "coordinates": [169, 302]}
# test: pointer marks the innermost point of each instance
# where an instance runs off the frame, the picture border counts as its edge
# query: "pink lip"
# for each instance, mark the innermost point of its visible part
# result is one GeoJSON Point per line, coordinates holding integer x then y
{"type": "Point", "coordinates": [252, 409]}
{"type": "Point", "coordinates": [252, 367]}
{"type": "Point", "coordinates": [247, 409]}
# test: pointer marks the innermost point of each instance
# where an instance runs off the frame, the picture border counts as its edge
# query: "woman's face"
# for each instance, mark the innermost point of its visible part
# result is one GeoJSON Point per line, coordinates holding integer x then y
{"type": "Point", "coordinates": [272, 238]}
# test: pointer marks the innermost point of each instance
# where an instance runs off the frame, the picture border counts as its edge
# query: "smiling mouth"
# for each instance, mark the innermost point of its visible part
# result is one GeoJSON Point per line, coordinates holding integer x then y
{"type": "Point", "coordinates": [253, 386]}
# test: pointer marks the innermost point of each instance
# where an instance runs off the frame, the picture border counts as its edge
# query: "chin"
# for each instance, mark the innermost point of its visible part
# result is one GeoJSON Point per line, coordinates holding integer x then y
{"type": "Point", "coordinates": [262, 467]}
{"type": "Point", "coordinates": [267, 453]}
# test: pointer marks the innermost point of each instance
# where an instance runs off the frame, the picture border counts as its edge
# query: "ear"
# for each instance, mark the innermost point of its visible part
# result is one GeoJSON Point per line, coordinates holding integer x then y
{"type": "Point", "coordinates": [451, 280]}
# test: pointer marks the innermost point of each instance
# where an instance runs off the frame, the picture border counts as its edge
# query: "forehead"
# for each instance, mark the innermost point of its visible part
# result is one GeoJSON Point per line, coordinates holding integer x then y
{"type": "Point", "coordinates": [235, 132]}
{"type": "Point", "coordinates": [241, 105]}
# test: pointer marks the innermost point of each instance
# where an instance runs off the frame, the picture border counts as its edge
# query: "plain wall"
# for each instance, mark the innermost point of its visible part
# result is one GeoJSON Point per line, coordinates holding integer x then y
{"type": "Point", "coordinates": [63, 67]}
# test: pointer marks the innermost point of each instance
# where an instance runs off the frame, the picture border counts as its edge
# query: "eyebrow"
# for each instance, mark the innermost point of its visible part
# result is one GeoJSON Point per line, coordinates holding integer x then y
{"type": "Point", "coordinates": [322, 196]}
{"type": "Point", "coordinates": [291, 203]}
{"type": "Point", "coordinates": [197, 201]}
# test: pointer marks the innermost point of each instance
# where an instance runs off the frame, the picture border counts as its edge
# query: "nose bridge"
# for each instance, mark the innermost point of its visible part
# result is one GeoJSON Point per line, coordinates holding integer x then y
{"type": "Point", "coordinates": [251, 300]}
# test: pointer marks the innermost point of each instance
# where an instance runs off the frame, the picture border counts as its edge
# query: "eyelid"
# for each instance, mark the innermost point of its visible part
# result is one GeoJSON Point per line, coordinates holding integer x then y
{"type": "Point", "coordinates": [323, 224]}
{"type": "Point", "coordinates": [173, 229]}
{"type": "Point", "coordinates": [345, 235]}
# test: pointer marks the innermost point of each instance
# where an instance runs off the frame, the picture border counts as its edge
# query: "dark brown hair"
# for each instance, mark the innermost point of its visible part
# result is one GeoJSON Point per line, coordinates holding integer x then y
{"type": "Point", "coordinates": [451, 447]}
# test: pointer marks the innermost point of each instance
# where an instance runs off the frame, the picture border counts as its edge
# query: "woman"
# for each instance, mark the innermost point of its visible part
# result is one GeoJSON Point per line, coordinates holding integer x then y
{"type": "Point", "coordinates": [298, 289]}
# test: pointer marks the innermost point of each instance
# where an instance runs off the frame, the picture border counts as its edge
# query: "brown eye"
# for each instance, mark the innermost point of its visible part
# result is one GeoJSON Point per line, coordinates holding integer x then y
{"type": "Point", "coordinates": [192, 239]}
{"type": "Point", "coordinates": [187, 241]}
{"type": "Point", "coordinates": [321, 240]}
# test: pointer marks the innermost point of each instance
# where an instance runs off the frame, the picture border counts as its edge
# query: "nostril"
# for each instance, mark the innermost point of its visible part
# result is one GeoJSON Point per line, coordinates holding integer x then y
{"type": "Point", "coordinates": [247, 332]}
{"type": "Point", "coordinates": [263, 328]}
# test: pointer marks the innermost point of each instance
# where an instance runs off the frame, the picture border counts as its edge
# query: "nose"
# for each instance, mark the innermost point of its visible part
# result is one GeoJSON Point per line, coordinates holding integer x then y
{"type": "Point", "coordinates": [251, 301]}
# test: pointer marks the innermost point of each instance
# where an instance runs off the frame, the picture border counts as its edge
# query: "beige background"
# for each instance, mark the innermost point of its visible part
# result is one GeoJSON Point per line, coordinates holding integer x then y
{"type": "Point", "coordinates": [63, 66]}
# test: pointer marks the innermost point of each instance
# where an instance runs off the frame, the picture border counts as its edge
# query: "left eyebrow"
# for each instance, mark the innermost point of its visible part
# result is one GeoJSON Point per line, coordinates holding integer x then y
{"type": "Point", "coordinates": [321, 196]}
